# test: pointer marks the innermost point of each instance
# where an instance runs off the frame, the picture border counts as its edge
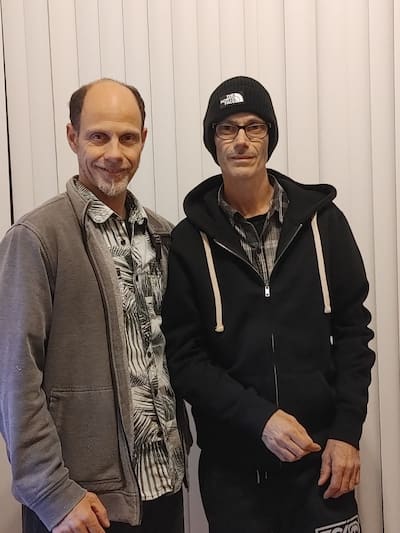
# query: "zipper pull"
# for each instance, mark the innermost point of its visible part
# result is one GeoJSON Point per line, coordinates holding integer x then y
{"type": "Point", "coordinates": [267, 291]}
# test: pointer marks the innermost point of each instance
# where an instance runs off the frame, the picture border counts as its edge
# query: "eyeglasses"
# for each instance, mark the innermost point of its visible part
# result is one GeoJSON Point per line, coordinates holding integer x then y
{"type": "Point", "coordinates": [254, 131]}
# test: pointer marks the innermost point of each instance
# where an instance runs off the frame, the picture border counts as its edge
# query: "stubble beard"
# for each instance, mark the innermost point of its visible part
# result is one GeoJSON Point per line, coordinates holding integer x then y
{"type": "Point", "coordinates": [113, 189]}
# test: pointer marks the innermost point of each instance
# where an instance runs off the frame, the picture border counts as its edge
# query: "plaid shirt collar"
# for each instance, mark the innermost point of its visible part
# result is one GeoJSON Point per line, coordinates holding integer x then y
{"type": "Point", "coordinates": [278, 204]}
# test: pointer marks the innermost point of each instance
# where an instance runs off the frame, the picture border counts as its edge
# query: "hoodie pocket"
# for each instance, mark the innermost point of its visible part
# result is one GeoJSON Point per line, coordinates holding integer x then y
{"type": "Point", "coordinates": [87, 427]}
{"type": "Point", "coordinates": [308, 397]}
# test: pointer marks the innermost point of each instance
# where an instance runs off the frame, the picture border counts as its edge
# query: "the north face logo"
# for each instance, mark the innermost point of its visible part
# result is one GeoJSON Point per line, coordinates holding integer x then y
{"type": "Point", "coordinates": [352, 525]}
{"type": "Point", "coordinates": [229, 99]}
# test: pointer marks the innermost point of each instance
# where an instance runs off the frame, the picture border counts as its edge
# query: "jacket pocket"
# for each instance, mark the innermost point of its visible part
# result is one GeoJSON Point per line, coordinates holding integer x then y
{"type": "Point", "coordinates": [87, 427]}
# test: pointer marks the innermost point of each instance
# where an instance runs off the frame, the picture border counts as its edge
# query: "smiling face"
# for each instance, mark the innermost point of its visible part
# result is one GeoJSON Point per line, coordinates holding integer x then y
{"type": "Point", "coordinates": [241, 158]}
{"type": "Point", "coordinates": [109, 141]}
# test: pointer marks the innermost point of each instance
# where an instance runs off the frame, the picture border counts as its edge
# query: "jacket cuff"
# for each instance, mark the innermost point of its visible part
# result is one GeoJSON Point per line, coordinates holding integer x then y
{"type": "Point", "coordinates": [347, 428]}
{"type": "Point", "coordinates": [55, 506]}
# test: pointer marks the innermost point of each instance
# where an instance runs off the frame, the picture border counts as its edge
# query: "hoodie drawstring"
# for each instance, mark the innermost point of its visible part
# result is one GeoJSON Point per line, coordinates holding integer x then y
{"type": "Point", "coordinates": [321, 265]}
{"type": "Point", "coordinates": [219, 326]}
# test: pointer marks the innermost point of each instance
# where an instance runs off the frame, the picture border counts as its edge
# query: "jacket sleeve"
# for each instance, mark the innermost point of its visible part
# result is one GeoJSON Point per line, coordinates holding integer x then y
{"type": "Point", "coordinates": [40, 479]}
{"type": "Point", "coordinates": [194, 374]}
{"type": "Point", "coordinates": [353, 359]}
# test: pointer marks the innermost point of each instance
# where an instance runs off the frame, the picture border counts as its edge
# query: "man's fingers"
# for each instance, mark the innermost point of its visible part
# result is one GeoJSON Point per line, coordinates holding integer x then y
{"type": "Point", "coordinates": [286, 438]}
{"type": "Point", "coordinates": [99, 510]}
{"type": "Point", "coordinates": [89, 515]}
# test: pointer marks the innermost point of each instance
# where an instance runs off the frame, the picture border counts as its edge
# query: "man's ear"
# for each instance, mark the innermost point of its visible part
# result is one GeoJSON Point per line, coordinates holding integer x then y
{"type": "Point", "coordinates": [144, 135]}
{"type": "Point", "coordinates": [72, 136]}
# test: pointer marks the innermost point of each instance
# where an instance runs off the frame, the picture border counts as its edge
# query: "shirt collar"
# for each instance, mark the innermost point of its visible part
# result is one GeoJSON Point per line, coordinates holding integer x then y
{"type": "Point", "coordinates": [278, 204]}
{"type": "Point", "coordinates": [100, 212]}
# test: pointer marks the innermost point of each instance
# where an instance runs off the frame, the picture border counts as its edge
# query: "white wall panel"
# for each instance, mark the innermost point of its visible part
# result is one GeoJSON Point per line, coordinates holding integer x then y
{"type": "Point", "coordinates": [88, 40]}
{"type": "Point", "coordinates": [137, 68]}
{"type": "Point", "coordinates": [111, 39]}
{"type": "Point", "coordinates": [187, 97]}
{"type": "Point", "coordinates": [232, 39]}
{"type": "Point", "coordinates": [386, 260]}
{"type": "Point", "coordinates": [41, 112]}
{"type": "Point", "coordinates": [302, 90]}
{"type": "Point", "coordinates": [18, 105]}
{"type": "Point", "coordinates": [9, 508]}
{"type": "Point", "coordinates": [332, 52]}
{"type": "Point", "coordinates": [5, 208]}
{"type": "Point", "coordinates": [163, 108]}
{"type": "Point", "coordinates": [209, 44]}
{"type": "Point", "coordinates": [270, 30]}
{"type": "Point", "coordinates": [189, 159]}
{"type": "Point", "coordinates": [64, 64]}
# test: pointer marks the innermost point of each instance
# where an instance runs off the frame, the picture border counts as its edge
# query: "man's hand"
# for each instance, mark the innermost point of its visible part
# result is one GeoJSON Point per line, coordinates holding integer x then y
{"type": "Point", "coordinates": [87, 517]}
{"type": "Point", "coordinates": [340, 463]}
{"type": "Point", "coordinates": [286, 438]}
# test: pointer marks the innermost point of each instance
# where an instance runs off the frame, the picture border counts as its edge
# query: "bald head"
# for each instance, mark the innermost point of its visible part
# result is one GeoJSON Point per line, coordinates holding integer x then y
{"type": "Point", "coordinates": [77, 99]}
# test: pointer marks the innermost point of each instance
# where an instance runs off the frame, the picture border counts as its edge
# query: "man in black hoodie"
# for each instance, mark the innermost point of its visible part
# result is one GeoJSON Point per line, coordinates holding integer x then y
{"type": "Point", "coordinates": [267, 333]}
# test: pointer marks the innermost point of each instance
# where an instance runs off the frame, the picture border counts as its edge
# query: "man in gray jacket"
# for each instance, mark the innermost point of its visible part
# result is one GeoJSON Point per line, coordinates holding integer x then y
{"type": "Point", "coordinates": [86, 407]}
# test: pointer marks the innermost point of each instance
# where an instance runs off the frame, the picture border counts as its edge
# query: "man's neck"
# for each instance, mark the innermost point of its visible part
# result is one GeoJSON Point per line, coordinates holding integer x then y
{"type": "Point", "coordinates": [251, 197]}
{"type": "Point", "coordinates": [117, 204]}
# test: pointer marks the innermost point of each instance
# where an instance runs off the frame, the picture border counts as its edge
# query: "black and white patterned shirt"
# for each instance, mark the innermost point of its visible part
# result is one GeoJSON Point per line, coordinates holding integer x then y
{"type": "Point", "coordinates": [259, 246]}
{"type": "Point", "coordinates": [157, 448]}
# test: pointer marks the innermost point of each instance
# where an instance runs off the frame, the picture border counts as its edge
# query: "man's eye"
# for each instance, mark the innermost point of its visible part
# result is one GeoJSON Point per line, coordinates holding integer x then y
{"type": "Point", "coordinates": [98, 137]}
{"type": "Point", "coordinates": [130, 138]}
{"type": "Point", "coordinates": [226, 128]}
{"type": "Point", "coordinates": [255, 128]}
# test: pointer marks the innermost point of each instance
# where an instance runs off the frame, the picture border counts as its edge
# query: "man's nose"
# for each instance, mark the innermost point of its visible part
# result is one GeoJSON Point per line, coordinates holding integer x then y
{"type": "Point", "coordinates": [241, 137]}
{"type": "Point", "coordinates": [113, 149]}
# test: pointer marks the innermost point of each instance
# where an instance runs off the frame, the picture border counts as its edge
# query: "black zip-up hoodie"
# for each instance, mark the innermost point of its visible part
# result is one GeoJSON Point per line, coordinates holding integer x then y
{"type": "Point", "coordinates": [238, 350]}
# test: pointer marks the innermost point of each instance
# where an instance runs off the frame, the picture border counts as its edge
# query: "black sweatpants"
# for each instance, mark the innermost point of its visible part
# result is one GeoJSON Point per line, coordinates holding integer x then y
{"type": "Point", "coordinates": [163, 515]}
{"type": "Point", "coordinates": [237, 500]}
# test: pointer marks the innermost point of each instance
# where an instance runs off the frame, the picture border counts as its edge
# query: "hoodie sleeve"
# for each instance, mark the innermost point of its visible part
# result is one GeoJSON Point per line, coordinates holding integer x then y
{"type": "Point", "coordinates": [194, 374]}
{"type": "Point", "coordinates": [350, 319]}
{"type": "Point", "coordinates": [40, 479]}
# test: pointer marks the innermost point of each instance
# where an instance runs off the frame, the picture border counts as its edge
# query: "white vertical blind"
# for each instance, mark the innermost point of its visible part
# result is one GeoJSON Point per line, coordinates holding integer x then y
{"type": "Point", "coordinates": [332, 69]}
{"type": "Point", "coordinates": [5, 208]}
{"type": "Point", "coordinates": [9, 509]}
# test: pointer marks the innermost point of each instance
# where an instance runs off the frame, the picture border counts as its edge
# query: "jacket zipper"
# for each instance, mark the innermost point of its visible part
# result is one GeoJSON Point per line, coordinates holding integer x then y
{"type": "Point", "coordinates": [267, 293]}
{"type": "Point", "coordinates": [267, 287]}
{"type": "Point", "coordinates": [288, 244]}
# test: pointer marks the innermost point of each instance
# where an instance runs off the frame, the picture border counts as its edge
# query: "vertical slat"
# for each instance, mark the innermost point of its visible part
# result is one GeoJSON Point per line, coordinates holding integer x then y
{"type": "Point", "coordinates": [137, 68]}
{"type": "Point", "coordinates": [9, 508]}
{"type": "Point", "coordinates": [5, 206]}
{"type": "Point", "coordinates": [187, 97]}
{"type": "Point", "coordinates": [272, 69]}
{"type": "Point", "coordinates": [355, 193]}
{"type": "Point", "coordinates": [385, 244]}
{"type": "Point", "coordinates": [18, 105]}
{"type": "Point", "coordinates": [163, 107]}
{"type": "Point", "coordinates": [111, 26]}
{"type": "Point", "coordinates": [64, 64]}
{"type": "Point", "coordinates": [332, 76]}
{"type": "Point", "coordinates": [209, 45]}
{"type": "Point", "coordinates": [251, 38]}
{"type": "Point", "coordinates": [232, 37]}
{"type": "Point", "coordinates": [88, 40]}
{"type": "Point", "coordinates": [302, 90]}
{"type": "Point", "coordinates": [41, 112]}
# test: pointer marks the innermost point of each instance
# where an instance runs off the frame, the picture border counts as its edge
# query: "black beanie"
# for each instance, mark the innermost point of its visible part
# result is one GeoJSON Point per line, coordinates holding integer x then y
{"type": "Point", "coordinates": [239, 95]}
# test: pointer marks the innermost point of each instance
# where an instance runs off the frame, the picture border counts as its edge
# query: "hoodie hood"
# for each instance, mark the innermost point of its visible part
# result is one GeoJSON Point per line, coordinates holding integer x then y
{"type": "Point", "coordinates": [202, 209]}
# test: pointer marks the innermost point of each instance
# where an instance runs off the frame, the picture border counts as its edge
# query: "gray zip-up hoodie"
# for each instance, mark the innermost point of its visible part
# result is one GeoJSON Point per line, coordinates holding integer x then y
{"type": "Point", "coordinates": [64, 382]}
